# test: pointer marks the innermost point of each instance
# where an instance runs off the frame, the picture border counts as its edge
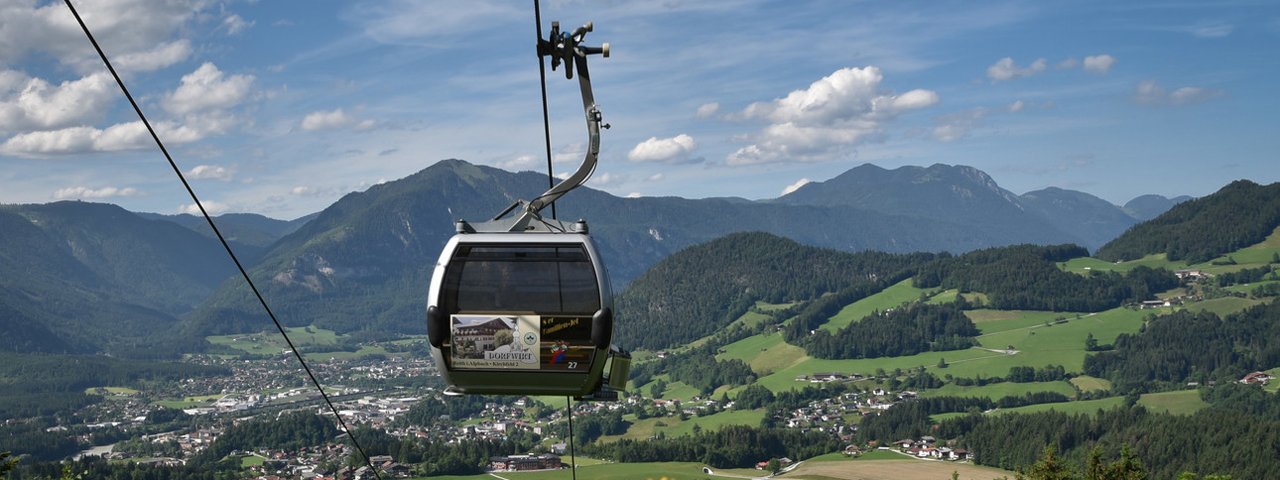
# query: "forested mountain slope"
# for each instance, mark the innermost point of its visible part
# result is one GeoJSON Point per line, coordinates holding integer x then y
{"type": "Point", "coordinates": [1240, 214]}
{"type": "Point", "coordinates": [85, 277]}
{"type": "Point", "coordinates": [704, 287]}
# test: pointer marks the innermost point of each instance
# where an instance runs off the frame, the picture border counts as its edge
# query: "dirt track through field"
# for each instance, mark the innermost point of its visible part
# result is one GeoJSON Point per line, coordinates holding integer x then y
{"type": "Point", "coordinates": [896, 470]}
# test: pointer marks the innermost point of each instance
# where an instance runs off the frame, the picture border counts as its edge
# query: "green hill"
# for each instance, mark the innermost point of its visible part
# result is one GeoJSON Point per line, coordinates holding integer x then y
{"type": "Point", "coordinates": [1240, 214]}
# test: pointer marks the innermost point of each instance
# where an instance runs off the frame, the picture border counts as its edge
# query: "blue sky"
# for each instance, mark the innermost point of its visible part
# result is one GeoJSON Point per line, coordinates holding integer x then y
{"type": "Point", "coordinates": [282, 107]}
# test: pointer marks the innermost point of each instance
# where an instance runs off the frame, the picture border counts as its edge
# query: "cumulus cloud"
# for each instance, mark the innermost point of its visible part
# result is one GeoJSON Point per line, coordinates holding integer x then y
{"type": "Point", "coordinates": [826, 119]}
{"type": "Point", "coordinates": [116, 138]}
{"type": "Point", "coordinates": [214, 208]}
{"type": "Point", "coordinates": [795, 186]}
{"type": "Point", "coordinates": [665, 150]}
{"type": "Point", "coordinates": [1151, 93]}
{"type": "Point", "coordinates": [607, 179]}
{"type": "Point", "coordinates": [130, 27]}
{"type": "Point", "coordinates": [1005, 69]}
{"type": "Point", "coordinates": [27, 103]}
{"type": "Point", "coordinates": [207, 88]}
{"type": "Point", "coordinates": [211, 172]}
{"type": "Point", "coordinates": [1017, 106]}
{"type": "Point", "coordinates": [94, 193]}
{"type": "Point", "coordinates": [706, 110]}
{"type": "Point", "coordinates": [1099, 63]}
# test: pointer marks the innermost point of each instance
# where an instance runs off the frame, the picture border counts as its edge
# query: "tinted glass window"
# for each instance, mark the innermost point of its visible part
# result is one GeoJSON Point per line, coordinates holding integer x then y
{"type": "Point", "coordinates": [542, 279]}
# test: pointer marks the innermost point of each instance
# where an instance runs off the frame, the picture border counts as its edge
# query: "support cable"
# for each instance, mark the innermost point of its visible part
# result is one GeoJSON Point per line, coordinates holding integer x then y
{"type": "Point", "coordinates": [221, 238]}
{"type": "Point", "coordinates": [546, 122]}
{"type": "Point", "coordinates": [573, 461]}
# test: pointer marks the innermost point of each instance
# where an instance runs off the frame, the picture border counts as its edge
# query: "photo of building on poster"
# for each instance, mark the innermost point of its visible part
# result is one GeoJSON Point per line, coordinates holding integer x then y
{"type": "Point", "coordinates": [495, 341]}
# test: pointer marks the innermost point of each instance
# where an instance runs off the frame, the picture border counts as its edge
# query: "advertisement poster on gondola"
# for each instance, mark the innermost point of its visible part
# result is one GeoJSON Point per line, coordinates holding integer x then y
{"type": "Point", "coordinates": [566, 343]}
{"type": "Point", "coordinates": [488, 342]}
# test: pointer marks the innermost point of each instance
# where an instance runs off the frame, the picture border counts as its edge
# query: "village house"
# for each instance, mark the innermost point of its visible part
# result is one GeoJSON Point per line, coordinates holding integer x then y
{"type": "Point", "coordinates": [1256, 378]}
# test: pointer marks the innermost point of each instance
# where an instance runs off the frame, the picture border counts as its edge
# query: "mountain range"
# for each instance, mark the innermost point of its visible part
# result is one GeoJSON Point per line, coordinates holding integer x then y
{"type": "Point", "coordinates": [364, 262]}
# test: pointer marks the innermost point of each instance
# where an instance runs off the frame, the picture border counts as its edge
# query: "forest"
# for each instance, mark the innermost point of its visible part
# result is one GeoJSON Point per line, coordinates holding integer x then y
{"type": "Point", "coordinates": [1026, 277]}
{"type": "Point", "coordinates": [1242, 213]}
{"type": "Point", "coordinates": [1191, 347]}
{"type": "Point", "coordinates": [718, 281]}
{"type": "Point", "coordinates": [906, 330]}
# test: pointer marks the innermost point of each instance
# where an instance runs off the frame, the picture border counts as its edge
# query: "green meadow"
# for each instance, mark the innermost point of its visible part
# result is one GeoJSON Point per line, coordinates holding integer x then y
{"type": "Point", "coordinates": [893, 296]}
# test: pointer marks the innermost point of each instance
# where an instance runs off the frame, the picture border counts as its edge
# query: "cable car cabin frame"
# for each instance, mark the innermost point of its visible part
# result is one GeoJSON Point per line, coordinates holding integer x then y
{"type": "Point", "coordinates": [521, 304]}
{"type": "Point", "coordinates": [526, 314]}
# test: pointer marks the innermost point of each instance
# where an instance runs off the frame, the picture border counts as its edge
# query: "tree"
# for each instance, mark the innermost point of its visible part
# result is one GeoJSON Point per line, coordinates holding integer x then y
{"type": "Point", "coordinates": [942, 362]}
{"type": "Point", "coordinates": [6, 463]}
{"type": "Point", "coordinates": [773, 466]}
{"type": "Point", "coordinates": [1049, 467]}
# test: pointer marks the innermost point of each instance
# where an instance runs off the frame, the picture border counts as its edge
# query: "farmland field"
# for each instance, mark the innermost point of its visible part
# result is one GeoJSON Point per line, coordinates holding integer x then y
{"type": "Point", "coordinates": [673, 426]}
{"type": "Point", "coordinates": [997, 391]}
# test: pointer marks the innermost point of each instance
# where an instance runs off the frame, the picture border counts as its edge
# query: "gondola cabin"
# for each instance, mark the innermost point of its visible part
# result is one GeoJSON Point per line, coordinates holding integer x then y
{"type": "Point", "coordinates": [522, 314]}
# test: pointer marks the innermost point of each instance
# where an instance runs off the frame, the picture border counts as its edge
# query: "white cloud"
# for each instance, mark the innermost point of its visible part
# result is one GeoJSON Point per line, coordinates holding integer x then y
{"type": "Point", "coordinates": [1068, 64]}
{"type": "Point", "coordinates": [634, 195]}
{"type": "Point", "coordinates": [706, 110]}
{"type": "Point", "coordinates": [825, 120]}
{"type": "Point", "coordinates": [520, 163]}
{"type": "Point", "coordinates": [207, 88]}
{"type": "Point", "coordinates": [234, 24]}
{"type": "Point", "coordinates": [1099, 63]}
{"type": "Point", "coordinates": [86, 192]}
{"type": "Point", "coordinates": [666, 150]}
{"type": "Point", "coordinates": [211, 172]}
{"type": "Point", "coordinates": [214, 208]}
{"type": "Point", "coordinates": [1151, 93]}
{"type": "Point", "coordinates": [159, 57]}
{"type": "Point", "coordinates": [34, 103]}
{"type": "Point", "coordinates": [795, 186]}
{"type": "Point", "coordinates": [657, 177]}
{"type": "Point", "coordinates": [1017, 106]}
{"type": "Point", "coordinates": [116, 138]}
{"type": "Point", "coordinates": [601, 180]}
{"type": "Point", "coordinates": [325, 120]}
{"type": "Point", "coordinates": [1005, 69]}
{"type": "Point", "coordinates": [129, 27]}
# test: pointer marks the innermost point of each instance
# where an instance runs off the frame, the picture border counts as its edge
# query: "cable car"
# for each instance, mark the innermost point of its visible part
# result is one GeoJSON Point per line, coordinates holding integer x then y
{"type": "Point", "coordinates": [521, 304]}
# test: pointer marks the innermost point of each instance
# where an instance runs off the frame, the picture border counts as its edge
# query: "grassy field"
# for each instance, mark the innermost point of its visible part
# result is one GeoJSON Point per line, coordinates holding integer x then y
{"type": "Point", "coordinates": [270, 343]}
{"type": "Point", "coordinates": [871, 455]}
{"type": "Point", "coordinates": [190, 402]}
{"type": "Point", "coordinates": [673, 426]}
{"type": "Point", "coordinates": [606, 471]}
{"type": "Point", "coordinates": [997, 391]}
{"type": "Point", "coordinates": [1071, 408]}
{"type": "Point", "coordinates": [901, 469]}
{"type": "Point", "coordinates": [112, 391]}
{"type": "Point", "coordinates": [765, 353]}
{"type": "Point", "coordinates": [888, 298]}
{"type": "Point", "coordinates": [1222, 306]}
{"type": "Point", "coordinates": [1184, 402]}
{"type": "Point", "coordinates": [1088, 384]}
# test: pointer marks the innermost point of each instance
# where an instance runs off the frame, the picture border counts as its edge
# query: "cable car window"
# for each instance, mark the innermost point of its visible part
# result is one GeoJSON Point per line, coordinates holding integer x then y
{"type": "Point", "coordinates": [543, 279]}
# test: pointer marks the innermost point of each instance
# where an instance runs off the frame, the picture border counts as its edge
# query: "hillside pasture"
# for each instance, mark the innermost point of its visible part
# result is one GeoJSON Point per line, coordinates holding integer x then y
{"type": "Point", "coordinates": [997, 391]}
{"type": "Point", "coordinates": [1075, 407]}
{"type": "Point", "coordinates": [271, 343]}
{"type": "Point", "coordinates": [904, 469]}
{"type": "Point", "coordinates": [1088, 384]}
{"type": "Point", "coordinates": [765, 353]}
{"type": "Point", "coordinates": [1183, 402]}
{"type": "Point", "coordinates": [673, 426]}
{"type": "Point", "coordinates": [891, 297]}
{"type": "Point", "coordinates": [1222, 306]}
